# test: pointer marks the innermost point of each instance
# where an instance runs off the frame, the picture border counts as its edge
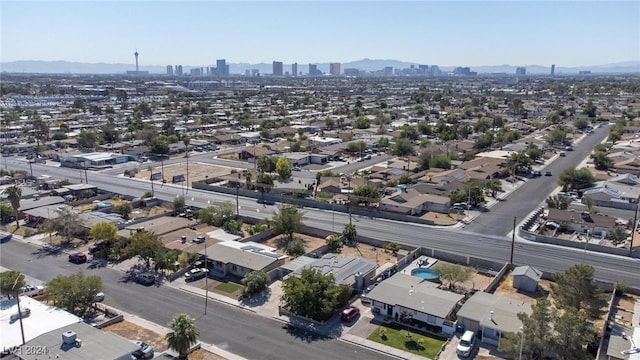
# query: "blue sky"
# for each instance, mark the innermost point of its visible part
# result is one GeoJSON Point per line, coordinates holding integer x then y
{"type": "Point", "coordinates": [465, 33]}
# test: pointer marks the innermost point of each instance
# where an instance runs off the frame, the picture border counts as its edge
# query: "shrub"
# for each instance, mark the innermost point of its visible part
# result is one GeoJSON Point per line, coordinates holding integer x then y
{"type": "Point", "coordinates": [295, 247]}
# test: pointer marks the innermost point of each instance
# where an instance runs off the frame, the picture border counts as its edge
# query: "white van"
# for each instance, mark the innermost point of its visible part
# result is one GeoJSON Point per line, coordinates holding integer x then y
{"type": "Point", "coordinates": [467, 343]}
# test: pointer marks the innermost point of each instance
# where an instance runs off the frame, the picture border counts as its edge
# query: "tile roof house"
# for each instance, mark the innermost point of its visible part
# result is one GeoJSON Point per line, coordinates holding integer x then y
{"type": "Point", "coordinates": [429, 306]}
{"type": "Point", "coordinates": [493, 315]}
{"type": "Point", "coordinates": [412, 202]}
{"type": "Point", "coordinates": [346, 270]}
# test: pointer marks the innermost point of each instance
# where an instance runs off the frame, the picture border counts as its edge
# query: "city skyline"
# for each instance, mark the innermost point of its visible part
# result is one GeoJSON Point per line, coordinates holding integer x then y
{"type": "Point", "coordinates": [471, 33]}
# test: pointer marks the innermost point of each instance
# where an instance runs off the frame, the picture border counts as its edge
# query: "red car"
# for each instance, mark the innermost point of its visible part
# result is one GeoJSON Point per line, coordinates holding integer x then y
{"type": "Point", "coordinates": [78, 258]}
{"type": "Point", "coordinates": [350, 313]}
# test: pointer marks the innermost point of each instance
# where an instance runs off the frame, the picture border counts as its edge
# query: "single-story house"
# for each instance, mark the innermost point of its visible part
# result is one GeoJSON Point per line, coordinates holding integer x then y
{"type": "Point", "coordinates": [492, 315]}
{"type": "Point", "coordinates": [94, 159]}
{"type": "Point", "coordinates": [346, 270]}
{"type": "Point", "coordinates": [526, 278]}
{"type": "Point", "coordinates": [624, 342]}
{"type": "Point", "coordinates": [426, 304]}
{"type": "Point", "coordinates": [238, 259]}
{"type": "Point", "coordinates": [583, 223]}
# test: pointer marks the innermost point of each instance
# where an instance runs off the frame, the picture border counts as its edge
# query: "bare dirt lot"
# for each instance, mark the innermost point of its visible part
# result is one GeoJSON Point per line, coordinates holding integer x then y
{"type": "Point", "coordinates": [506, 289]}
{"type": "Point", "coordinates": [197, 171]}
{"type": "Point", "coordinates": [365, 251]}
{"type": "Point", "coordinates": [131, 331]}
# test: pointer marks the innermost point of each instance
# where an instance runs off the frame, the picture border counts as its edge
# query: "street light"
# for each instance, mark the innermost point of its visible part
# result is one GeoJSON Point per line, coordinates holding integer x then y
{"type": "Point", "coordinates": [521, 340]}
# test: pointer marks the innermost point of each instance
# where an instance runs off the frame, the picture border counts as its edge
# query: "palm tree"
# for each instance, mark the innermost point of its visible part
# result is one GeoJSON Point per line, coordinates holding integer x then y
{"type": "Point", "coordinates": [14, 193]}
{"type": "Point", "coordinates": [184, 334]}
{"type": "Point", "coordinates": [493, 185]}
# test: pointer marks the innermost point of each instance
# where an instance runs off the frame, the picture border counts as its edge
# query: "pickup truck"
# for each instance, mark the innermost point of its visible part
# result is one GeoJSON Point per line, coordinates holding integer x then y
{"type": "Point", "coordinates": [32, 290]}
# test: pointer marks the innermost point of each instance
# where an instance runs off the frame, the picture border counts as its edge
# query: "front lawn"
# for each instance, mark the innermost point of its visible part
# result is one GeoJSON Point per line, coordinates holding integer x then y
{"type": "Point", "coordinates": [228, 287]}
{"type": "Point", "coordinates": [419, 344]}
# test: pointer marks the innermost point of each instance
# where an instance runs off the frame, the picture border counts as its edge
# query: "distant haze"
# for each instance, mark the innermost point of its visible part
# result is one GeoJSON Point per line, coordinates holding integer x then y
{"type": "Point", "coordinates": [445, 33]}
{"type": "Point", "coordinates": [66, 67]}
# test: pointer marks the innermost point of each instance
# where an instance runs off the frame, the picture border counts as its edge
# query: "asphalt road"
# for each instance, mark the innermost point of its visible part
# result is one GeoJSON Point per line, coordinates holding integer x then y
{"type": "Point", "coordinates": [532, 194]}
{"type": "Point", "coordinates": [238, 331]}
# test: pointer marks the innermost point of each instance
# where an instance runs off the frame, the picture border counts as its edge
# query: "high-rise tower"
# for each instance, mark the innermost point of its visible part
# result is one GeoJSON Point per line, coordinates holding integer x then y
{"type": "Point", "coordinates": [136, 54]}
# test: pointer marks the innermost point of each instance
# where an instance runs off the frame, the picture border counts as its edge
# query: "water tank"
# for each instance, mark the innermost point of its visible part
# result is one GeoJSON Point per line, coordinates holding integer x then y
{"type": "Point", "coordinates": [69, 337]}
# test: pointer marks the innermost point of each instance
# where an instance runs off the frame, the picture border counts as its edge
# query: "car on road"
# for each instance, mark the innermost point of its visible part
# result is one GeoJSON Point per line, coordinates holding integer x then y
{"type": "Point", "coordinates": [195, 274]}
{"type": "Point", "coordinates": [349, 314]}
{"type": "Point", "coordinates": [537, 173]}
{"type": "Point", "coordinates": [265, 202]}
{"type": "Point", "coordinates": [466, 344]}
{"type": "Point", "coordinates": [547, 173]}
{"type": "Point", "coordinates": [99, 297]}
{"type": "Point", "coordinates": [78, 258]}
{"type": "Point", "coordinates": [32, 290]}
{"type": "Point", "coordinates": [145, 351]}
{"type": "Point", "coordinates": [145, 278]}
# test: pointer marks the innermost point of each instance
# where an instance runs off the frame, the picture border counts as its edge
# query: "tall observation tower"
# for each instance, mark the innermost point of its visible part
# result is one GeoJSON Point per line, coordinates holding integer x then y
{"type": "Point", "coordinates": [136, 54]}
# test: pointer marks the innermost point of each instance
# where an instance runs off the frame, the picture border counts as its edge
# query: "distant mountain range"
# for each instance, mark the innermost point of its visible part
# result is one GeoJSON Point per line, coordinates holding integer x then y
{"type": "Point", "coordinates": [67, 67]}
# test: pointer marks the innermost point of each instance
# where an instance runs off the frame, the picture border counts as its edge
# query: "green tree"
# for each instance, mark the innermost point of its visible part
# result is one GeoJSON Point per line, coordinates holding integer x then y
{"type": "Point", "coordinates": [67, 223]}
{"type": "Point", "coordinates": [145, 245]}
{"type": "Point", "coordinates": [74, 293]}
{"type": "Point", "coordinates": [334, 242]}
{"type": "Point", "coordinates": [392, 247]}
{"type": "Point", "coordinates": [165, 259]}
{"type": "Point", "coordinates": [124, 209]}
{"type": "Point", "coordinates": [618, 234]}
{"type": "Point", "coordinates": [264, 182]}
{"type": "Point", "coordinates": [283, 168]}
{"type": "Point", "coordinates": [581, 124]}
{"type": "Point", "coordinates": [558, 202]}
{"type": "Point", "coordinates": [254, 282]}
{"type": "Point", "coordinates": [590, 109]}
{"type": "Point", "coordinates": [104, 231]}
{"type": "Point", "coordinates": [440, 162]}
{"type": "Point", "coordinates": [183, 334]}
{"type": "Point", "coordinates": [179, 203]}
{"type": "Point", "coordinates": [217, 215]}
{"type": "Point", "coordinates": [483, 141]}
{"type": "Point", "coordinates": [11, 283]}
{"type": "Point", "coordinates": [533, 152]}
{"type": "Point", "coordinates": [576, 179]}
{"type": "Point", "coordinates": [350, 233]}
{"type": "Point", "coordinates": [601, 161]}
{"type": "Point", "coordinates": [537, 333]}
{"type": "Point", "coordinates": [159, 145]}
{"type": "Point", "coordinates": [295, 247]}
{"type": "Point", "coordinates": [453, 273]}
{"type": "Point", "coordinates": [556, 136]}
{"type": "Point", "coordinates": [14, 193]}
{"type": "Point", "coordinates": [403, 147]}
{"type": "Point", "coordinates": [287, 220]}
{"type": "Point", "coordinates": [572, 333]}
{"type": "Point", "coordinates": [314, 295]}
{"type": "Point", "coordinates": [267, 164]}
{"type": "Point", "coordinates": [88, 139]}
{"type": "Point", "coordinates": [366, 194]}
{"type": "Point", "coordinates": [493, 185]}
{"type": "Point", "coordinates": [6, 212]}
{"type": "Point", "coordinates": [575, 288]}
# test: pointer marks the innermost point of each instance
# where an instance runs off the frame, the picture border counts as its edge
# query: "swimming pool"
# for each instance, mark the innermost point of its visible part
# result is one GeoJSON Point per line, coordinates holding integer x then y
{"type": "Point", "coordinates": [424, 273]}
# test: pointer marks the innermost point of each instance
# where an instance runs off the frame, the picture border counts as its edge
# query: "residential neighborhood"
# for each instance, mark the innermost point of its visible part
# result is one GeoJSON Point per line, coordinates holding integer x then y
{"type": "Point", "coordinates": [380, 217]}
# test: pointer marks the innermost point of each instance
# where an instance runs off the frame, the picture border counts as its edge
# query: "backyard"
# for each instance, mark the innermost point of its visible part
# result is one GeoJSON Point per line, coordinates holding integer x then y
{"type": "Point", "coordinates": [416, 343]}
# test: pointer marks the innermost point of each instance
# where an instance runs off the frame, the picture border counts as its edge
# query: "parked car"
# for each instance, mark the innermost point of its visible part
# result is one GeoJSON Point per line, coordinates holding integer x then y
{"type": "Point", "coordinates": [99, 297]}
{"type": "Point", "coordinates": [363, 298]}
{"type": "Point", "coordinates": [349, 314]}
{"type": "Point", "coordinates": [195, 274]}
{"type": "Point", "coordinates": [78, 258]}
{"type": "Point", "coordinates": [462, 206]}
{"type": "Point", "coordinates": [547, 173]}
{"type": "Point", "coordinates": [145, 351]}
{"type": "Point", "coordinates": [562, 153]}
{"type": "Point", "coordinates": [466, 344]}
{"type": "Point", "coordinates": [32, 290]}
{"type": "Point", "coordinates": [296, 168]}
{"type": "Point", "coordinates": [199, 240]}
{"type": "Point", "coordinates": [145, 278]}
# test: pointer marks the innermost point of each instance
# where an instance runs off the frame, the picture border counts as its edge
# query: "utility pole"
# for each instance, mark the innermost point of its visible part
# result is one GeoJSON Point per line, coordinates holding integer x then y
{"type": "Point", "coordinates": [187, 170]}
{"type": "Point", "coordinates": [513, 240]}
{"type": "Point", "coordinates": [237, 201]}
{"type": "Point", "coordinates": [635, 227]}
{"type": "Point", "coordinates": [206, 279]}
